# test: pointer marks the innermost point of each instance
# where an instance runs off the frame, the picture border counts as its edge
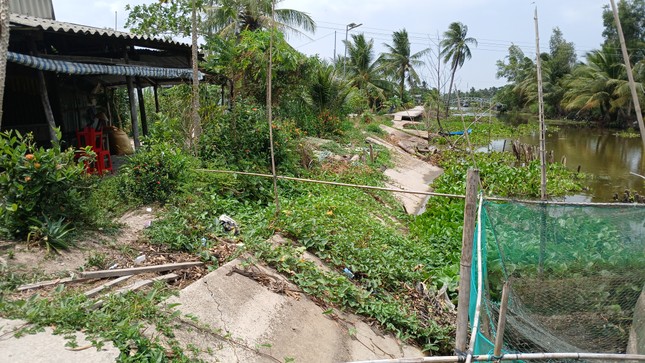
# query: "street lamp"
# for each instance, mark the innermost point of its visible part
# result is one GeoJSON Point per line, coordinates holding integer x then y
{"type": "Point", "coordinates": [349, 27]}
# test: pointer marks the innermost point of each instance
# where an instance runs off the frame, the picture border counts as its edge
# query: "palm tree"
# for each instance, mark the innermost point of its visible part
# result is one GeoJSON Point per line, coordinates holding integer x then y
{"type": "Point", "coordinates": [363, 70]}
{"type": "Point", "coordinates": [596, 85]}
{"type": "Point", "coordinates": [4, 45]}
{"type": "Point", "coordinates": [326, 92]}
{"type": "Point", "coordinates": [229, 17]}
{"type": "Point", "coordinates": [456, 51]}
{"type": "Point", "coordinates": [400, 63]}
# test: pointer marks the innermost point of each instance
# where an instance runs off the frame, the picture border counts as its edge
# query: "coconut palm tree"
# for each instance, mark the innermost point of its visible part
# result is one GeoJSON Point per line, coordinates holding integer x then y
{"type": "Point", "coordinates": [455, 49]}
{"type": "Point", "coordinates": [4, 45]}
{"type": "Point", "coordinates": [593, 86]}
{"type": "Point", "coordinates": [363, 71]}
{"type": "Point", "coordinates": [229, 17]}
{"type": "Point", "coordinates": [399, 63]}
{"type": "Point", "coordinates": [326, 92]}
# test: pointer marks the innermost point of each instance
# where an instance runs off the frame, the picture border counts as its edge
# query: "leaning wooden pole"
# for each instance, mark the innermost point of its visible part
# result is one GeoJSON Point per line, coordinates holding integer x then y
{"type": "Point", "coordinates": [270, 111]}
{"type": "Point", "coordinates": [472, 182]}
{"type": "Point", "coordinates": [630, 75]}
{"type": "Point", "coordinates": [4, 46]}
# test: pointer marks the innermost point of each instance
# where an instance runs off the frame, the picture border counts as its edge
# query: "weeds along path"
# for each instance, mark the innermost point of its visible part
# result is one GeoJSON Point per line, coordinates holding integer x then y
{"type": "Point", "coordinates": [409, 172]}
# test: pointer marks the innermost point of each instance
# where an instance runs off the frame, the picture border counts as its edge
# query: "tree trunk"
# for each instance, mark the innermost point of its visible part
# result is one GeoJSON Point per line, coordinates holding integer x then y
{"type": "Point", "coordinates": [452, 79]}
{"type": "Point", "coordinates": [47, 107]}
{"type": "Point", "coordinates": [196, 127]}
{"type": "Point", "coordinates": [4, 45]}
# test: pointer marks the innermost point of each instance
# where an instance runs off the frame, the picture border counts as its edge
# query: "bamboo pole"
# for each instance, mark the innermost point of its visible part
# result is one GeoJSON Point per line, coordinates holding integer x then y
{"type": "Point", "coordinates": [541, 111]}
{"type": "Point", "coordinates": [270, 112]}
{"type": "Point", "coordinates": [47, 107]}
{"type": "Point", "coordinates": [196, 127]}
{"type": "Point", "coordinates": [456, 196]}
{"type": "Point", "coordinates": [501, 322]}
{"type": "Point", "coordinates": [630, 75]}
{"type": "Point", "coordinates": [472, 182]}
{"type": "Point", "coordinates": [518, 356]}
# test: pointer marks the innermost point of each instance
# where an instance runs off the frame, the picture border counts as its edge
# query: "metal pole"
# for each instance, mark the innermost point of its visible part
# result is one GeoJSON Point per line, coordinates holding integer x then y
{"type": "Point", "coordinates": [472, 181]}
{"type": "Point", "coordinates": [345, 56]}
{"type": "Point", "coordinates": [630, 75]}
{"type": "Point", "coordinates": [335, 45]}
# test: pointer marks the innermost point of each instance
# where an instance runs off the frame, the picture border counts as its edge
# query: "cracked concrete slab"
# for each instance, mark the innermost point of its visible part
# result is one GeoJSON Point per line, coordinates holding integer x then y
{"type": "Point", "coordinates": [241, 320]}
{"type": "Point", "coordinates": [50, 348]}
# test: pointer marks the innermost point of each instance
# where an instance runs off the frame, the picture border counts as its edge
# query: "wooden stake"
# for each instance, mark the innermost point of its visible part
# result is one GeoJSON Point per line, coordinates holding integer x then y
{"type": "Point", "coordinates": [472, 182]}
{"type": "Point", "coordinates": [630, 75]}
{"type": "Point", "coordinates": [501, 322]}
{"type": "Point", "coordinates": [156, 92]}
{"type": "Point", "coordinates": [139, 270]}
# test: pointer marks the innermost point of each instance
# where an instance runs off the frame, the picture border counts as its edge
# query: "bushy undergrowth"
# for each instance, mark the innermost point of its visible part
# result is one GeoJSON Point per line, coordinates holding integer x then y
{"type": "Point", "coordinates": [40, 187]}
{"type": "Point", "coordinates": [155, 173]}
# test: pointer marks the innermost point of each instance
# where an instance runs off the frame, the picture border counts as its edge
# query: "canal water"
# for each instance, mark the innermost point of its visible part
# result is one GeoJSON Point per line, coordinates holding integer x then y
{"type": "Point", "coordinates": [607, 159]}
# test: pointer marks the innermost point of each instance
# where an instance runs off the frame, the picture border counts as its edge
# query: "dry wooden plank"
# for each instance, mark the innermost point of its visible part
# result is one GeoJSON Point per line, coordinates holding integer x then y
{"type": "Point", "coordinates": [51, 282]}
{"type": "Point", "coordinates": [139, 270]}
{"type": "Point", "coordinates": [98, 289]}
{"type": "Point", "coordinates": [137, 285]}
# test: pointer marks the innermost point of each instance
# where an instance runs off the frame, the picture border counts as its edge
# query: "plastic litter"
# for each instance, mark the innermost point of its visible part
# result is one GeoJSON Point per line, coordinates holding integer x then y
{"type": "Point", "coordinates": [348, 273]}
{"type": "Point", "coordinates": [139, 260]}
{"type": "Point", "coordinates": [229, 224]}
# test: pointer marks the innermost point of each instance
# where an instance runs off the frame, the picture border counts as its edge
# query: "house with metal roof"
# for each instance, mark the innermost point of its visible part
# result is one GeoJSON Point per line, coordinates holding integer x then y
{"type": "Point", "coordinates": [67, 73]}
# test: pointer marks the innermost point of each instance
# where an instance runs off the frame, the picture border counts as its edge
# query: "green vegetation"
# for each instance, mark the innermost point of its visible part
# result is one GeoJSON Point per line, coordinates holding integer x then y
{"type": "Point", "coordinates": [595, 90]}
{"type": "Point", "coordinates": [390, 255]}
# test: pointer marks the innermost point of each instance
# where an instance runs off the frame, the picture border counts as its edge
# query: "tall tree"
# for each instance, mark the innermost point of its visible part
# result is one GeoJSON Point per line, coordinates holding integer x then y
{"type": "Point", "coordinates": [456, 50]}
{"type": "Point", "coordinates": [398, 61]}
{"type": "Point", "coordinates": [4, 45]}
{"type": "Point", "coordinates": [592, 87]}
{"type": "Point", "coordinates": [633, 24]}
{"type": "Point", "coordinates": [363, 70]}
{"type": "Point", "coordinates": [225, 17]}
{"type": "Point", "coordinates": [230, 17]}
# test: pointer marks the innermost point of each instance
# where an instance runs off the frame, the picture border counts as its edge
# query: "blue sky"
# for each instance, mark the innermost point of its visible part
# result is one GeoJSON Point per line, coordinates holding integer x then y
{"type": "Point", "coordinates": [496, 24]}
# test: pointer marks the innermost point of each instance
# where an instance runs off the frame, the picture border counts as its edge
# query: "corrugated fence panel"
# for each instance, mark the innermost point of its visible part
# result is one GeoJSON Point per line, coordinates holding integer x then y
{"type": "Point", "coordinates": [37, 8]}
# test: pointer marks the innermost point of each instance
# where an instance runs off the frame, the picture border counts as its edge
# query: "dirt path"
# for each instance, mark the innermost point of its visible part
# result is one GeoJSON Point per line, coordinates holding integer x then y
{"type": "Point", "coordinates": [409, 172]}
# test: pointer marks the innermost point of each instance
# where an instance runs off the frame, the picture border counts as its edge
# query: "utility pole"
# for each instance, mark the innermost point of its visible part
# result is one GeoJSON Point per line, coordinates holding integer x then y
{"type": "Point", "coordinates": [4, 46]}
{"type": "Point", "coordinates": [630, 75]}
{"type": "Point", "coordinates": [348, 27]}
{"type": "Point", "coordinates": [334, 46]}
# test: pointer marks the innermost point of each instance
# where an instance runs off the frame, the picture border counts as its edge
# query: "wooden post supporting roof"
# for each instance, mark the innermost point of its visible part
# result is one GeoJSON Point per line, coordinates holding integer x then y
{"type": "Point", "coordinates": [142, 108]}
{"type": "Point", "coordinates": [470, 209]}
{"type": "Point", "coordinates": [133, 112]}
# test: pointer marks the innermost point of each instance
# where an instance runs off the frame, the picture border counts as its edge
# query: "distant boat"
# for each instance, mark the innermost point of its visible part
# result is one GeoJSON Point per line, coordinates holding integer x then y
{"type": "Point", "coordinates": [451, 133]}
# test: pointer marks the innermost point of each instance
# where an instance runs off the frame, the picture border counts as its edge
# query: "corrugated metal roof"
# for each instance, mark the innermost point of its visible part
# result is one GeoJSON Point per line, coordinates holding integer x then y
{"type": "Point", "coordinates": [59, 26]}
{"type": "Point", "coordinates": [38, 8]}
